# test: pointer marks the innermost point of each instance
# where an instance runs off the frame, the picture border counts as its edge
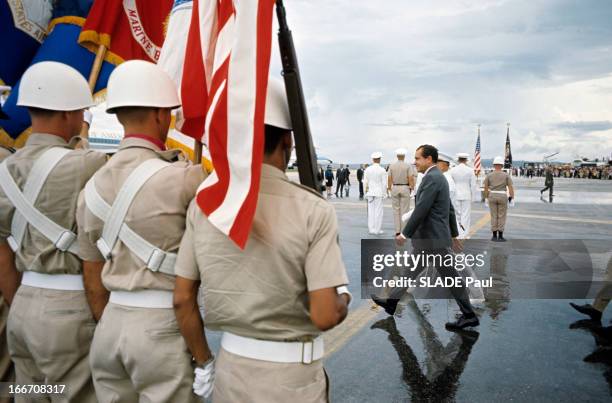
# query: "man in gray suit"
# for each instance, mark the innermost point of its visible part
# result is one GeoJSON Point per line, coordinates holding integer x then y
{"type": "Point", "coordinates": [432, 227]}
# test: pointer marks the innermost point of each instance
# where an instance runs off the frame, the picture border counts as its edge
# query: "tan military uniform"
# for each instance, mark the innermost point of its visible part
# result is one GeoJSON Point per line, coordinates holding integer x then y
{"type": "Point", "coordinates": [399, 172]}
{"type": "Point", "coordinates": [7, 370]}
{"type": "Point", "coordinates": [4, 152]}
{"type": "Point", "coordinates": [262, 292]}
{"type": "Point", "coordinates": [497, 182]}
{"type": "Point", "coordinates": [49, 331]}
{"type": "Point", "coordinates": [138, 353]}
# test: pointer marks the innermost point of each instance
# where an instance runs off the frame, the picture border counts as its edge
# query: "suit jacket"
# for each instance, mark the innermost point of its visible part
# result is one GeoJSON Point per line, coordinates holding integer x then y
{"type": "Point", "coordinates": [433, 222]}
{"type": "Point", "coordinates": [548, 181]}
{"type": "Point", "coordinates": [360, 174]}
{"type": "Point", "coordinates": [340, 175]}
{"type": "Point", "coordinates": [347, 175]}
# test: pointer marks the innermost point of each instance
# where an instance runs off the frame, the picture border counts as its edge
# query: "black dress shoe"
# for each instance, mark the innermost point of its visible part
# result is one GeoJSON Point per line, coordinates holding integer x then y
{"type": "Point", "coordinates": [389, 305]}
{"type": "Point", "coordinates": [462, 323]}
{"type": "Point", "coordinates": [500, 237]}
{"type": "Point", "coordinates": [494, 237]}
{"type": "Point", "coordinates": [587, 309]}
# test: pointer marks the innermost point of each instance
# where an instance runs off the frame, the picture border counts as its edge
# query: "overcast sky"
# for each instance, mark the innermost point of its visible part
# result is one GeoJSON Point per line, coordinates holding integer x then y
{"type": "Point", "coordinates": [385, 74]}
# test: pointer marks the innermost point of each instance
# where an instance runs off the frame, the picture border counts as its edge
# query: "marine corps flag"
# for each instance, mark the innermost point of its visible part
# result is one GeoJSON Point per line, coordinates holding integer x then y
{"type": "Point", "coordinates": [129, 29]}
{"type": "Point", "coordinates": [223, 91]}
{"type": "Point", "coordinates": [507, 151]}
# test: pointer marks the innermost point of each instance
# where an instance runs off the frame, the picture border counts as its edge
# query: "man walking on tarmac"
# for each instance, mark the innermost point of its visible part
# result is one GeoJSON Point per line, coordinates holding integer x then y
{"type": "Point", "coordinates": [432, 228]}
{"type": "Point", "coordinates": [548, 184]}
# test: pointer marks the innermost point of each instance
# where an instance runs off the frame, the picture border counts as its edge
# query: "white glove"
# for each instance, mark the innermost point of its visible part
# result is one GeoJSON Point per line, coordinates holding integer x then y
{"type": "Point", "coordinates": [406, 216]}
{"type": "Point", "coordinates": [204, 379]}
{"type": "Point", "coordinates": [87, 116]}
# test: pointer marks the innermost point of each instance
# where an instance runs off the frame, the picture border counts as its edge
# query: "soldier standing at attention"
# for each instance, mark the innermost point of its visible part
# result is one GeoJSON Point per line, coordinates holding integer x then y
{"type": "Point", "coordinates": [465, 183]}
{"type": "Point", "coordinates": [273, 299]}
{"type": "Point", "coordinates": [400, 183]}
{"type": "Point", "coordinates": [50, 326]}
{"type": "Point", "coordinates": [132, 218]}
{"type": "Point", "coordinates": [495, 185]}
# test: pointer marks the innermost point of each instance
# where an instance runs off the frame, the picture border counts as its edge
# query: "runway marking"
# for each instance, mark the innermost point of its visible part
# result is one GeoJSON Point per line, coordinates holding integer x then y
{"type": "Point", "coordinates": [576, 219]}
{"type": "Point", "coordinates": [357, 319]}
{"type": "Point", "coordinates": [484, 220]}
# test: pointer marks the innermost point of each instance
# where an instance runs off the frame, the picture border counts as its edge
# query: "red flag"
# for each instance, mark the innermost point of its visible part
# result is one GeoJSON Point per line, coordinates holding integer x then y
{"type": "Point", "coordinates": [129, 29]}
{"type": "Point", "coordinates": [224, 84]}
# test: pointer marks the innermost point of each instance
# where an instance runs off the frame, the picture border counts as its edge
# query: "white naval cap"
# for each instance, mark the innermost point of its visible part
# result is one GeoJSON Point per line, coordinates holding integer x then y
{"type": "Point", "coordinates": [400, 151]}
{"type": "Point", "coordinates": [376, 155]}
{"type": "Point", "coordinates": [463, 155]}
{"type": "Point", "coordinates": [442, 157]}
{"type": "Point", "coordinates": [498, 161]}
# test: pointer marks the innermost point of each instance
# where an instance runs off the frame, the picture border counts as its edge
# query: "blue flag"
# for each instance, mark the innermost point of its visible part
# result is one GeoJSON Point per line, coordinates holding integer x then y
{"type": "Point", "coordinates": [60, 46]}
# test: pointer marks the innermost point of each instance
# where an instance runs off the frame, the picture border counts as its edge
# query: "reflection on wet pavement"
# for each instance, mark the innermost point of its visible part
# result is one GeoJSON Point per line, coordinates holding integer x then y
{"type": "Point", "coordinates": [444, 363]}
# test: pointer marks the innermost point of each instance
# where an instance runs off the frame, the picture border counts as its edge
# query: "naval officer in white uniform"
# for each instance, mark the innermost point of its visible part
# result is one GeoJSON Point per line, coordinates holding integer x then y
{"type": "Point", "coordinates": [465, 187]}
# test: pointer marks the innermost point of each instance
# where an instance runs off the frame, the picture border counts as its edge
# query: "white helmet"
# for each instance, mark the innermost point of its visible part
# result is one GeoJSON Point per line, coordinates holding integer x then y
{"type": "Point", "coordinates": [140, 83]}
{"type": "Point", "coordinates": [277, 108]}
{"type": "Point", "coordinates": [54, 86]}
{"type": "Point", "coordinates": [498, 161]}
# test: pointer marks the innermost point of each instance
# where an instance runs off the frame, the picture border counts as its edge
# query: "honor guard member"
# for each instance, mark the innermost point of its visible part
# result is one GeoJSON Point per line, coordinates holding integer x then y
{"type": "Point", "coordinates": [499, 191]}
{"type": "Point", "coordinates": [273, 299]}
{"type": "Point", "coordinates": [400, 183]}
{"type": "Point", "coordinates": [465, 182]}
{"type": "Point", "coordinates": [375, 179]}
{"type": "Point", "coordinates": [5, 152]}
{"type": "Point", "coordinates": [50, 326]}
{"type": "Point", "coordinates": [444, 165]}
{"type": "Point", "coordinates": [7, 372]}
{"type": "Point", "coordinates": [132, 218]}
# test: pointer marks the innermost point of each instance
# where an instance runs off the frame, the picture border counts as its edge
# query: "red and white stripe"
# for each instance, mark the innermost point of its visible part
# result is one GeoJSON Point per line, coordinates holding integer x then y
{"type": "Point", "coordinates": [477, 165]}
{"type": "Point", "coordinates": [225, 79]}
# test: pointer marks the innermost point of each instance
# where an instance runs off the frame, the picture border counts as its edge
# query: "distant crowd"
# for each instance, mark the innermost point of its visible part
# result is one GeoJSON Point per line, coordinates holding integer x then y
{"type": "Point", "coordinates": [603, 172]}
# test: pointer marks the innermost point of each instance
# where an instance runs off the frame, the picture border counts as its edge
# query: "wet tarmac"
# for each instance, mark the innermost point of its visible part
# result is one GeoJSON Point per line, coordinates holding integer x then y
{"type": "Point", "coordinates": [524, 350]}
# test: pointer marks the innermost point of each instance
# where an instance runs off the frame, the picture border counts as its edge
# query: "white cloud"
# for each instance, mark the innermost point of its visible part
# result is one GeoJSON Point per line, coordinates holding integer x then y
{"type": "Point", "coordinates": [379, 75]}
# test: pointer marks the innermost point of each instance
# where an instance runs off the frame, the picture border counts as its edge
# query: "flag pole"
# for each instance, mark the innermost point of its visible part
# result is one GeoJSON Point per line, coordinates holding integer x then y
{"type": "Point", "coordinates": [304, 148]}
{"type": "Point", "coordinates": [97, 66]}
{"type": "Point", "coordinates": [93, 79]}
{"type": "Point", "coordinates": [197, 152]}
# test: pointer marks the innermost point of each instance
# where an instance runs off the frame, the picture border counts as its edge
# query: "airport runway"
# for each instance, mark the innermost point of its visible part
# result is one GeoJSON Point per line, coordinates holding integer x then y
{"type": "Point", "coordinates": [525, 349]}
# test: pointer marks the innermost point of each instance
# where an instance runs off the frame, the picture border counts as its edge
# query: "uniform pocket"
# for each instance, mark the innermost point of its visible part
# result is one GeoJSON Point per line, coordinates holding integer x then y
{"type": "Point", "coordinates": [307, 388]}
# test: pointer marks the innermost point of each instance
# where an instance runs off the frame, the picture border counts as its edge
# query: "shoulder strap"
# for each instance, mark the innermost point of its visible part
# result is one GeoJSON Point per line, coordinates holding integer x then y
{"type": "Point", "coordinates": [114, 216]}
{"type": "Point", "coordinates": [36, 180]}
{"type": "Point", "coordinates": [26, 213]}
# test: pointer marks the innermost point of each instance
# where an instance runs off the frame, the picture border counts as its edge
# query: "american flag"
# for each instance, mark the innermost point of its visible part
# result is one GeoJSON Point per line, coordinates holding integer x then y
{"type": "Point", "coordinates": [477, 166]}
{"type": "Point", "coordinates": [223, 89]}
